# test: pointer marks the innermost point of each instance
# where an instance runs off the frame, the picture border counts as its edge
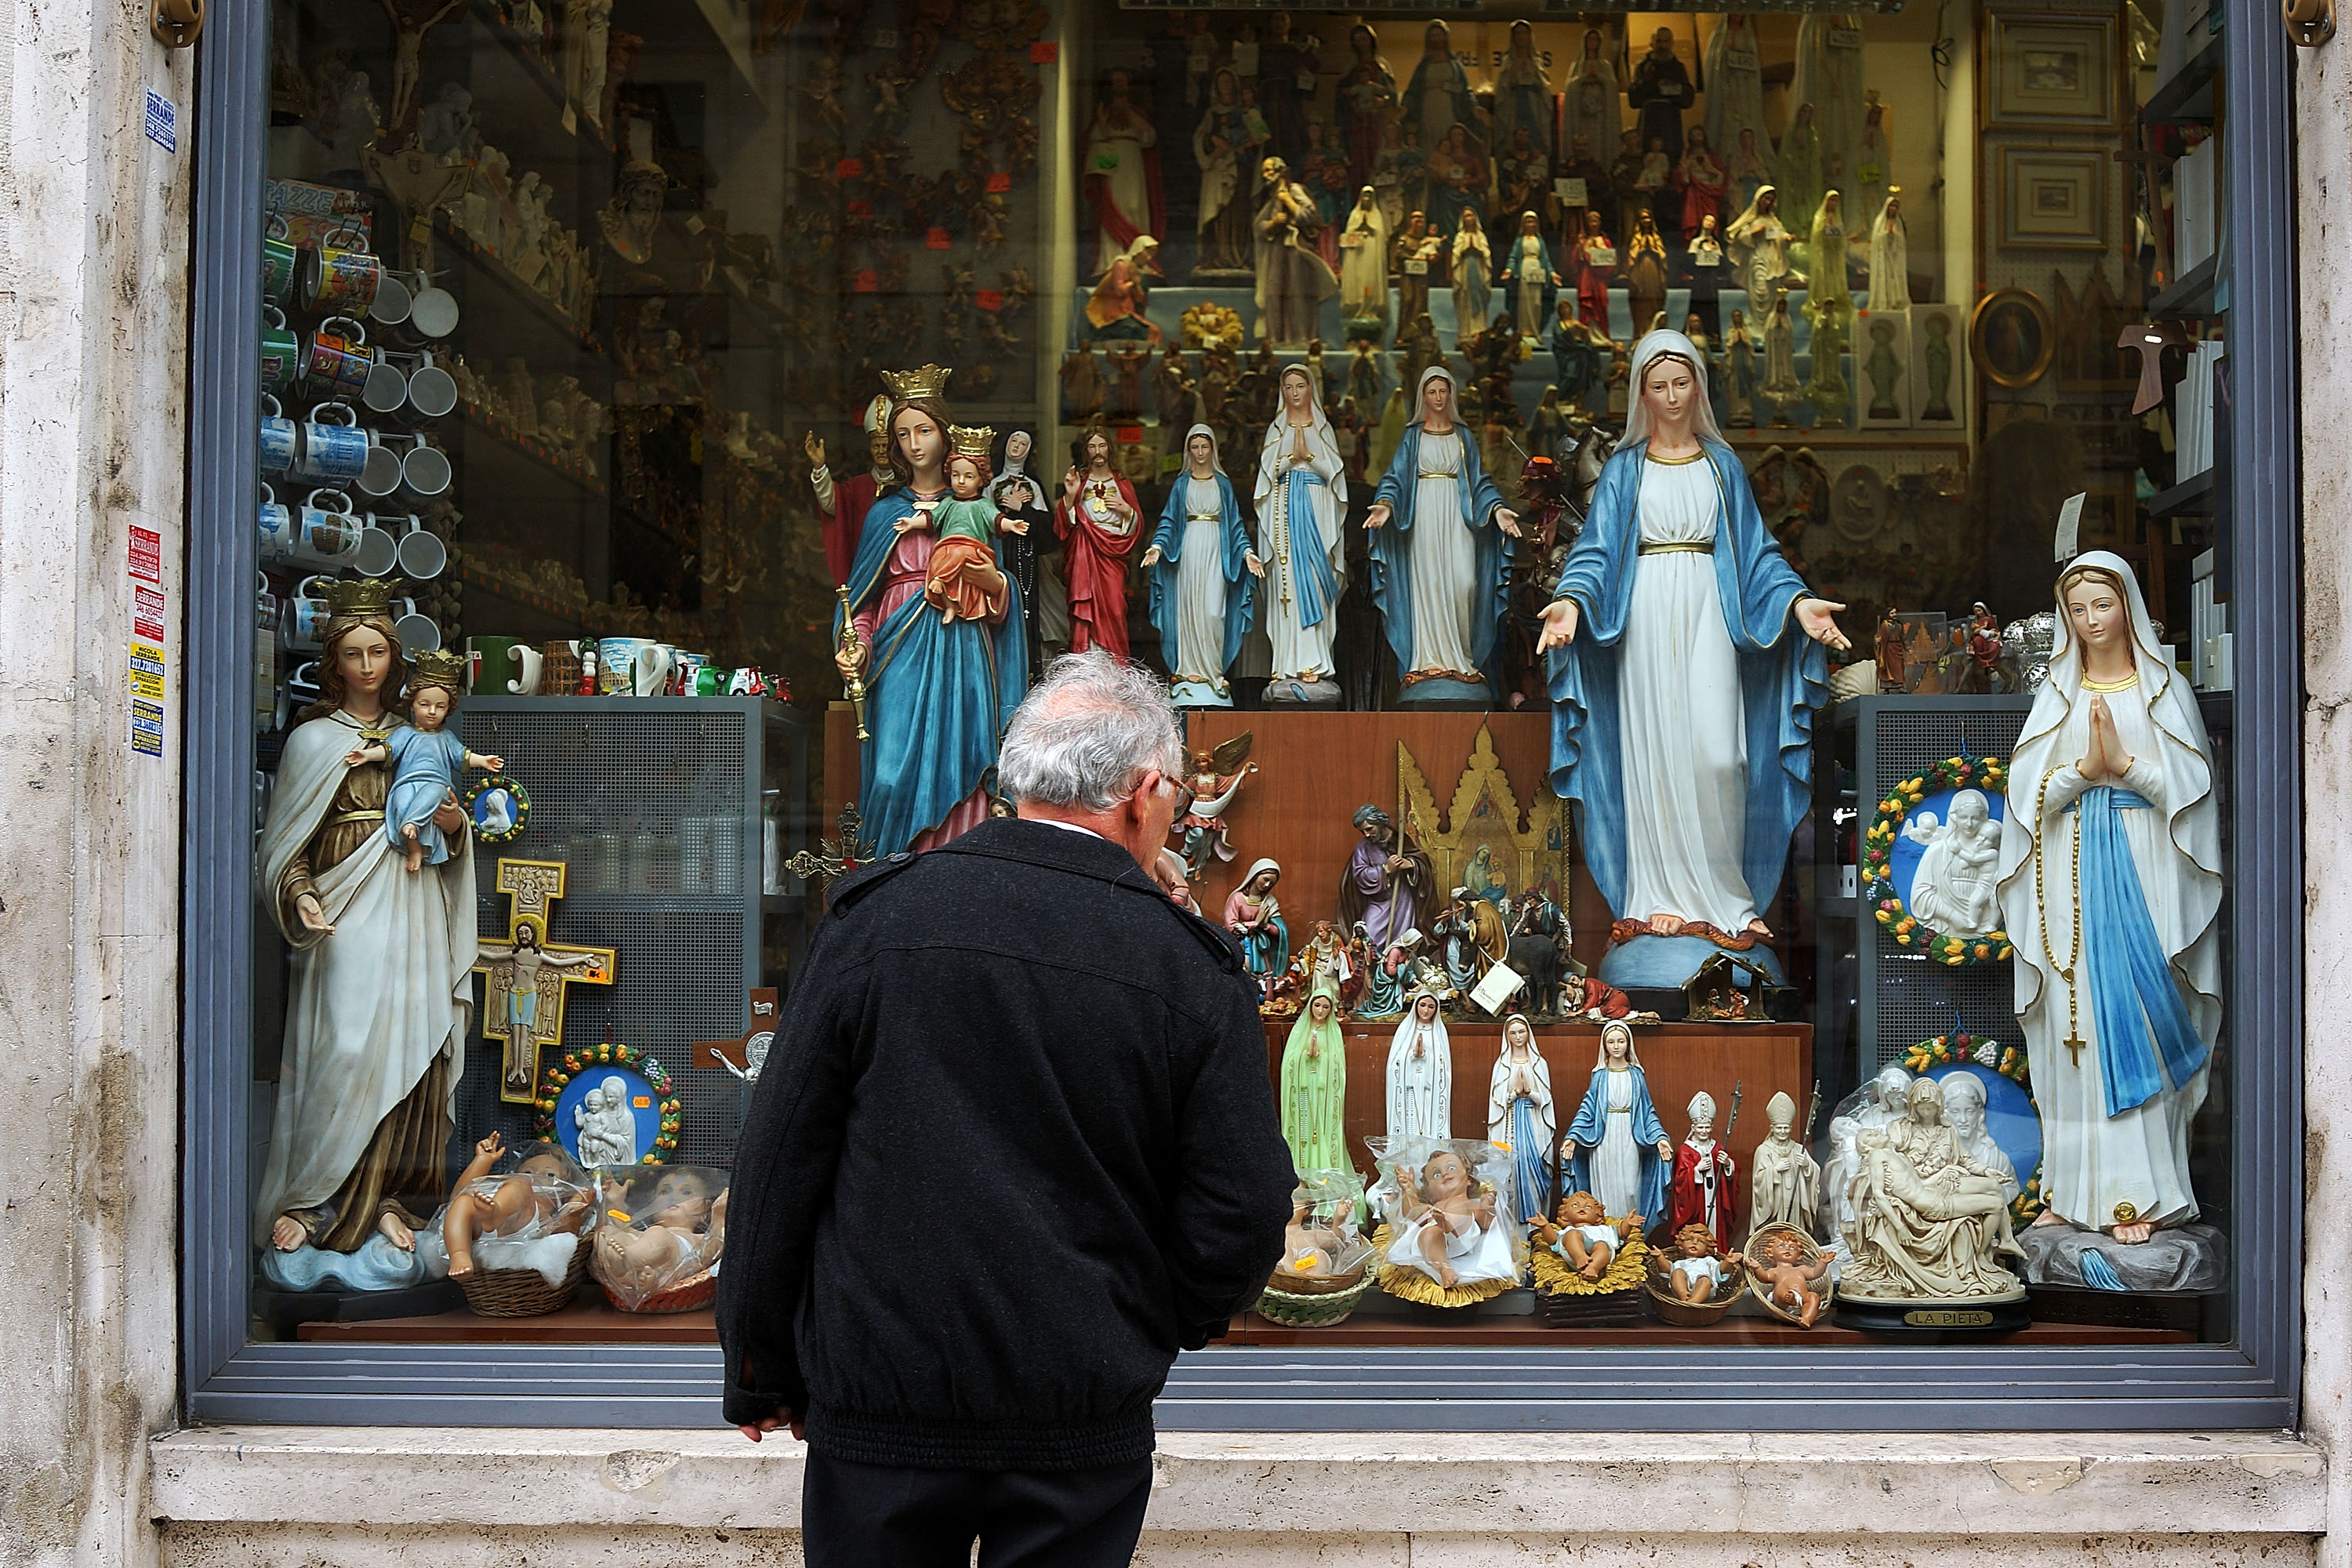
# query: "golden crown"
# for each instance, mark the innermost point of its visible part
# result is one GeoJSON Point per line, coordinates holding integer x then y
{"type": "Point", "coordinates": [361, 596]}
{"type": "Point", "coordinates": [909, 385]}
{"type": "Point", "coordinates": [968, 441]}
{"type": "Point", "coordinates": [438, 665]}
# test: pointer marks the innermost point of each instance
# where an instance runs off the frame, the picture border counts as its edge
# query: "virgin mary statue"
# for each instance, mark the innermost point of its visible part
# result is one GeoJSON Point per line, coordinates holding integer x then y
{"type": "Point", "coordinates": [1684, 671]}
{"type": "Point", "coordinates": [1441, 545]}
{"type": "Point", "coordinates": [2110, 881]}
{"type": "Point", "coordinates": [1302, 497]}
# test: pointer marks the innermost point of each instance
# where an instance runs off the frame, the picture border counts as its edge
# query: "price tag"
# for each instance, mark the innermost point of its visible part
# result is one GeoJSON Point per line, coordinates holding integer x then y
{"type": "Point", "coordinates": [988, 300]}
{"type": "Point", "coordinates": [998, 183]}
{"type": "Point", "coordinates": [1571, 192]}
{"type": "Point", "coordinates": [849, 168]}
{"type": "Point", "coordinates": [1845, 38]}
{"type": "Point", "coordinates": [2069, 518]}
{"type": "Point", "coordinates": [1353, 240]}
{"type": "Point", "coordinates": [1303, 81]}
{"type": "Point", "coordinates": [867, 281]}
{"type": "Point", "coordinates": [1129, 434]}
{"type": "Point", "coordinates": [1043, 53]}
{"type": "Point", "coordinates": [1602, 255]}
{"type": "Point", "coordinates": [936, 238]}
{"type": "Point", "coordinates": [1416, 269]}
{"type": "Point", "coordinates": [1742, 60]}
{"type": "Point", "coordinates": [861, 209]}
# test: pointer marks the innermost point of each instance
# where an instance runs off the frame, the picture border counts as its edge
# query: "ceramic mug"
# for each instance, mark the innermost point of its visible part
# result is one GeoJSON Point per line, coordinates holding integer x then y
{"type": "Point", "coordinates": [387, 387]}
{"type": "Point", "coordinates": [423, 556]}
{"type": "Point", "coordinates": [424, 471]}
{"type": "Point", "coordinates": [281, 351]}
{"type": "Point", "coordinates": [380, 474]}
{"type": "Point", "coordinates": [333, 449]}
{"type": "Point", "coordinates": [432, 391]}
{"type": "Point", "coordinates": [417, 633]}
{"type": "Point", "coordinates": [337, 360]}
{"type": "Point", "coordinates": [340, 278]}
{"type": "Point", "coordinates": [503, 667]}
{"type": "Point", "coordinates": [432, 313]}
{"type": "Point", "coordinates": [307, 614]}
{"type": "Point", "coordinates": [280, 443]}
{"type": "Point", "coordinates": [319, 533]}
{"type": "Point", "coordinates": [655, 662]}
{"type": "Point", "coordinates": [393, 299]}
{"type": "Point", "coordinates": [278, 256]}
{"type": "Point", "coordinates": [617, 665]}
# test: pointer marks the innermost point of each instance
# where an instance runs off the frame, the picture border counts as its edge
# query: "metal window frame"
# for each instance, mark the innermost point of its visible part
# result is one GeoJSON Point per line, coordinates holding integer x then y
{"type": "Point", "coordinates": [2249, 1383]}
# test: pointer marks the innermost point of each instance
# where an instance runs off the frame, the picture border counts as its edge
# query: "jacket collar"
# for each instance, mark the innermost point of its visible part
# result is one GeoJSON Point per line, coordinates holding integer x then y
{"type": "Point", "coordinates": [1036, 844]}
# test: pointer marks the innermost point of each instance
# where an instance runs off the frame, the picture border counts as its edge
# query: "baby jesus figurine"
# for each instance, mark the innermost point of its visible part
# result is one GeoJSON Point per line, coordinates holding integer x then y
{"type": "Point", "coordinates": [1313, 1249]}
{"type": "Point", "coordinates": [1445, 1217]}
{"type": "Point", "coordinates": [1778, 1261]}
{"type": "Point", "coordinates": [1697, 1273]}
{"type": "Point", "coordinates": [678, 1236]}
{"type": "Point", "coordinates": [542, 1196]}
{"type": "Point", "coordinates": [1584, 1236]}
{"type": "Point", "coordinates": [964, 580]}
{"type": "Point", "coordinates": [426, 762]}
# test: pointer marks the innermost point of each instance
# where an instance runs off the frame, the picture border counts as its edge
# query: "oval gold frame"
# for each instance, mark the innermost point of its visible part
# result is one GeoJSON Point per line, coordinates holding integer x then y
{"type": "Point", "coordinates": [1985, 307]}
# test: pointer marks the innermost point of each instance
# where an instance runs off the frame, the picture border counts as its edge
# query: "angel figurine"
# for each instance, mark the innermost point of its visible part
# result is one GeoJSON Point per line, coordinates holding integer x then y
{"type": "Point", "coordinates": [1215, 779]}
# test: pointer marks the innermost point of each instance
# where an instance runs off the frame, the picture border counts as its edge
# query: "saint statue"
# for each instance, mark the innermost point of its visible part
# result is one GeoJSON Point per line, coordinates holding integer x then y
{"type": "Point", "coordinates": [1096, 520]}
{"type": "Point", "coordinates": [1523, 99]}
{"type": "Point", "coordinates": [939, 691]}
{"type": "Point", "coordinates": [1442, 544]}
{"type": "Point", "coordinates": [1366, 97]}
{"type": "Point", "coordinates": [1682, 718]}
{"type": "Point", "coordinates": [1123, 172]}
{"type": "Point", "coordinates": [1704, 1187]}
{"type": "Point", "coordinates": [1255, 917]}
{"type": "Point", "coordinates": [1421, 1073]}
{"type": "Point", "coordinates": [2111, 883]}
{"type": "Point", "coordinates": [1660, 93]}
{"type": "Point", "coordinates": [1225, 146]}
{"type": "Point", "coordinates": [1202, 573]}
{"type": "Point", "coordinates": [1964, 1108]}
{"type": "Point", "coordinates": [1929, 1224]}
{"type": "Point", "coordinates": [1593, 108]}
{"type": "Point", "coordinates": [1364, 262]}
{"type": "Point", "coordinates": [1293, 279]}
{"type": "Point", "coordinates": [1617, 1148]}
{"type": "Point", "coordinates": [1734, 85]}
{"type": "Point", "coordinates": [1315, 1084]}
{"type": "Point", "coordinates": [1786, 1185]}
{"type": "Point", "coordinates": [1438, 97]}
{"type": "Point", "coordinates": [1890, 256]}
{"type": "Point", "coordinates": [1302, 499]}
{"type": "Point", "coordinates": [1520, 1115]}
{"type": "Point", "coordinates": [380, 989]}
{"type": "Point", "coordinates": [1384, 886]}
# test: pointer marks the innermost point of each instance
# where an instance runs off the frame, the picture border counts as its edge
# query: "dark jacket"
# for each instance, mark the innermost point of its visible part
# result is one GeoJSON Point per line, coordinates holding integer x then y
{"type": "Point", "coordinates": [1014, 1147]}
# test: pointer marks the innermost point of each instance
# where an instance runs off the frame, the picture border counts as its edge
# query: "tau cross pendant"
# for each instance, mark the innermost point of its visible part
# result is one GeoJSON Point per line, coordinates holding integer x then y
{"type": "Point", "coordinates": [527, 976]}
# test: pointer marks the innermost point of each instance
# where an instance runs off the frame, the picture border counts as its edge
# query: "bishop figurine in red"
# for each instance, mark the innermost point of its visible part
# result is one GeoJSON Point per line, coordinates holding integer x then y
{"type": "Point", "coordinates": [1705, 1185]}
{"type": "Point", "coordinates": [1096, 518]}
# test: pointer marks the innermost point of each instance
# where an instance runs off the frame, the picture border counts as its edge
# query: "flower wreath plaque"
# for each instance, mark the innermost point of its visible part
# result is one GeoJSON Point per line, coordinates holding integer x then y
{"type": "Point", "coordinates": [1916, 814]}
{"type": "Point", "coordinates": [635, 1067]}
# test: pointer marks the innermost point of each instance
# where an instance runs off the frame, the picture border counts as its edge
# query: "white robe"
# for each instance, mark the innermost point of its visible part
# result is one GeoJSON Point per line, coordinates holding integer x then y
{"type": "Point", "coordinates": [1201, 587]}
{"type": "Point", "coordinates": [1683, 740]}
{"type": "Point", "coordinates": [1445, 562]}
{"type": "Point", "coordinates": [1617, 1163]}
{"type": "Point", "coordinates": [1734, 86]}
{"type": "Point", "coordinates": [1890, 264]}
{"type": "Point", "coordinates": [1528, 281]}
{"type": "Point", "coordinates": [1364, 268]}
{"type": "Point", "coordinates": [1594, 106]}
{"type": "Point", "coordinates": [369, 1006]}
{"type": "Point", "coordinates": [1300, 652]}
{"type": "Point", "coordinates": [1420, 1090]}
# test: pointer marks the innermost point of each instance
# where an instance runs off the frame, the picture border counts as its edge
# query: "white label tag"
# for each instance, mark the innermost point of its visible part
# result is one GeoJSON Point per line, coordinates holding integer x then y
{"type": "Point", "coordinates": [1502, 983]}
{"type": "Point", "coordinates": [2069, 525]}
{"type": "Point", "coordinates": [1571, 192]}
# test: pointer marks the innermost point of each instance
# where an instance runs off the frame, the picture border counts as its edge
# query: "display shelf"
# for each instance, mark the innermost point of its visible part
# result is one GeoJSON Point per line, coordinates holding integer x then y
{"type": "Point", "coordinates": [2192, 296]}
{"type": "Point", "coordinates": [526, 60]}
{"type": "Point", "coordinates": [589, 1320]}
{"type": "Point", "coordinates": [536, 307]}
{"type": "Point", "coordinates": [2187, 98]}
{"type": "Point", "coordinates": [2191, 498]}
{"type": "Point", "coordinates": [676, 24]}
{"type": "Point", "coordinates": [1736, 1329]}
{"type": "Point", "coordinates": [476, 420]}
{"type": "Point", "coordinates": [570, 617]}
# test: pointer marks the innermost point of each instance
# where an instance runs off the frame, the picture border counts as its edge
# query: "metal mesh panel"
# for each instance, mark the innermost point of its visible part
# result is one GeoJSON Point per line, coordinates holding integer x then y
{"type": "Point", "coordinates": [1909, 999]}
{"type": "Point", "coordinates": [652, 805]}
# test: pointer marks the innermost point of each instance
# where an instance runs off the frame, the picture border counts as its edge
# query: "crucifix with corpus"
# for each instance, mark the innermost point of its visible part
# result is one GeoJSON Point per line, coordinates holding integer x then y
{"type": "Point", "coordinates": [527, 976]}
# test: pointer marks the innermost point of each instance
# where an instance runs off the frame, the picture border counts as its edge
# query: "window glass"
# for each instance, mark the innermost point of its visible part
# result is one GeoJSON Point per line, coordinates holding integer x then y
{"type": "Point", "coordinates": [1597, 485]}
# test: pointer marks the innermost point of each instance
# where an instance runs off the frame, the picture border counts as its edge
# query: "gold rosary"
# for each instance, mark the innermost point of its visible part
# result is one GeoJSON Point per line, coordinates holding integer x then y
{"type": "Point", "coordinates": [2073, 1041]}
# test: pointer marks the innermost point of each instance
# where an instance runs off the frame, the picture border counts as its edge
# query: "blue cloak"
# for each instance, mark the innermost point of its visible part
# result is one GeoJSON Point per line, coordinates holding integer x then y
{"type": "Point", "coordinates": [1391, 549]}
{"type": "Point", "coordinates": [1241, 588]}
{"type": "Point", "coordinates": [1784, 673]}
{"type": "Point", "coordinates": [1506, 276]}
{"type": "Point", "coordinates": [1584, 1135]}
{"type": "Point", "coordinates": [937, 696]}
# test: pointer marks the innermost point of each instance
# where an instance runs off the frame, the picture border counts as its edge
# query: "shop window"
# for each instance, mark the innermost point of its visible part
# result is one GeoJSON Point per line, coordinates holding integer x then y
{"type": "Point", "coordinates": [1796, 906]}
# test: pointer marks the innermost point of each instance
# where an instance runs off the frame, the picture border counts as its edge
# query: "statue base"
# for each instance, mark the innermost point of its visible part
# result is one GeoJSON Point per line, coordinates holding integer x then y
{"type": "Point", "coordinates": [286, 1310]}
{"type": "Point", "coordinates": [1198, 694]}
{"type": "Point", "coordinates": [2191, 1258]}
{"type": "Point", "coordinates": [1446, 696]}
{"type": "Point", "coordinates": [1302, 694]}
{"type": "Point", "coordinates": [1665, 965]}
{"type": "Point", "coordinates": [1967, 1318]}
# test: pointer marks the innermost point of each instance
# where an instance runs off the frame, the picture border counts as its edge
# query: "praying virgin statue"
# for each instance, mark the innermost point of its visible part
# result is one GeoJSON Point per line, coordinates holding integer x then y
{"type": "Point", "coordinates": [1686, 658]}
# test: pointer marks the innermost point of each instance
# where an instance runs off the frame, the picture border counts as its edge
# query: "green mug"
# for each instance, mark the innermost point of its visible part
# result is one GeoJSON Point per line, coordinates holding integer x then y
{"type": "Point", "coordinates": [279, 256]}
{"type": "Point", "coordinates": [281, 350]}
{"type": "Point", "coordinates": [501, 667]}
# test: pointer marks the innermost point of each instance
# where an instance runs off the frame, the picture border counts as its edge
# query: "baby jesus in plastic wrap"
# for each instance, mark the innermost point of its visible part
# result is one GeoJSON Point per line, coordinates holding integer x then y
{"type": "Point", "coordinates": [1697, 1274]}
{"type": "Point", "coordinates": [1446, 1218]}
{"type": "Point", "coordinates": [1778, 1261]}
{"type": "Point", "coordinates": [678, 1236]}
{"type": "Point", "coordinates": [542, 1196]}
{"type": "Point", "coordinates": [1312, 1248]}
{"type": "Point", "coordinates": [1584, 1236]}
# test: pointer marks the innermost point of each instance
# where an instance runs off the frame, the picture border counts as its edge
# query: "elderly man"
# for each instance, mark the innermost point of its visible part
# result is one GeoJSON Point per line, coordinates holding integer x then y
{"type": "Point", "coordinates": [1014, 1149]}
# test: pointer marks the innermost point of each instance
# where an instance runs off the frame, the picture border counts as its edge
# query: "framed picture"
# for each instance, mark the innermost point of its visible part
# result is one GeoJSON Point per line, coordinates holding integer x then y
{"type": "Point", "coordinates": [2049, 71]}
{"type": "Point", "coordinates": [1882, 369]}
{"type": "Point", "coordinates": [2010, 338]}
{"type": "Point", "coordinates": [2054, 199]}
{"type": "Point", "coordinates": [1939, 363]}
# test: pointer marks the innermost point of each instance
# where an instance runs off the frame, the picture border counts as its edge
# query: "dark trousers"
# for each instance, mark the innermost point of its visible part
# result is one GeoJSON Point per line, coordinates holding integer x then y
{"type": "Point", "coordinates": [878, 1516]}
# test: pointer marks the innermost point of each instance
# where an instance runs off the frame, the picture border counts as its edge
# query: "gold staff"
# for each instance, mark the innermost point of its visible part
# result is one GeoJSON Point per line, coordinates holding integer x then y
{"type": "Point", "coordinates": [849, 643]}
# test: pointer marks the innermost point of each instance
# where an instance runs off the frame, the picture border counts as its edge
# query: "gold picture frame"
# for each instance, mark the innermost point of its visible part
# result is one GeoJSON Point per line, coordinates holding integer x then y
{"type": "Point", "coordinates": [2053, 198]}
{"type": "Point", "coordinates": [2049, 71]}
{"type": "Point", "coordinates": [2011, 338]}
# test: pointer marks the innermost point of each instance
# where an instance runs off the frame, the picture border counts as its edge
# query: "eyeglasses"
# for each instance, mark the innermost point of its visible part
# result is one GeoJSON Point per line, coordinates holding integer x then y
{"type": "Point", "coordinates": [1184, 795]}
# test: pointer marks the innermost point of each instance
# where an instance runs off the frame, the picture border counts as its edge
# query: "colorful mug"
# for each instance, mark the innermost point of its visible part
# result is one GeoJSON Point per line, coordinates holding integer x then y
{"type": "Point", "coordinates": [340, 278]}
{"type": "Point", "coordinates": [281, 351]}
{"type": "Point", "coordinates": [278, 259]}
{"type": "Point", "coordinates": [280, 442]}
{"type": "Point", "coordinates": [319, 533]}
{"type": "Point", "coordinates": [333, 449]}
{"type": "Point", "coordinates": [617, 665]}
{"type": "Point", "coordinates": [501, 667]}
{"type": "Point", "coordinates": [337, 363]}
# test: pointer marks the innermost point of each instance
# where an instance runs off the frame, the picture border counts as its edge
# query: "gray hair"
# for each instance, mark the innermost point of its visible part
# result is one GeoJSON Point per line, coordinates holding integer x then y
{"type": "Point", "coordinates": [1087, 732]}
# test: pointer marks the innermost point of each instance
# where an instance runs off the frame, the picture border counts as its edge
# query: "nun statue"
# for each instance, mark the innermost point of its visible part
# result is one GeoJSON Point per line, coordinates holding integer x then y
{"type": "Point", "coordinates": [1020, 499]}
{"type": "Point", "coordinates": [1302, 495]}
{"type": "Point", "coordinates": [1519, 1112]}
{"type": "Point", "coordinates": [1616, 1148]}
{"type": "Point", "coordinates": [1442, 546]}
{"type": "Point", "coordinates": [1421, 1073]}
{"type": "Point", "coordinates": [1685, 663]}
{"type": "Point", "coordinates": [2111, 880]}
{"type": "Point", "coordinates": [1201, 569]}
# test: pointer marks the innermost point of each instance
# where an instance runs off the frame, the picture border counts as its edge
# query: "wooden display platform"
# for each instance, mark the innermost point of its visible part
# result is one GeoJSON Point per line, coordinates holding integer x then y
{"type": "Point", "coordinates": [584, 1322]}
{"type": "Point", "coordinates": [1250, 1329]}
{"type": "Point", "coordinates": [1678, 1060]}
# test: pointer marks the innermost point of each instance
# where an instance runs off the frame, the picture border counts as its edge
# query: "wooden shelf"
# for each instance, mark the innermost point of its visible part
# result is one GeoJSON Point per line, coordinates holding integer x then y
{"type": "Point", "coordinates": [535, 307]}
{"type": "Point", "coordinates": [2192, 296]}
{"type": "Point", "coordinates": [570, 616]}
{"type": "Point", "coordinates": [584, 1322]}
{"type": "Point", "coordinates": [533, 66]}
{"type": "Point", "coordinates": [2191, 499]}
{"type": "Point", "coordinates": [2187, 99]}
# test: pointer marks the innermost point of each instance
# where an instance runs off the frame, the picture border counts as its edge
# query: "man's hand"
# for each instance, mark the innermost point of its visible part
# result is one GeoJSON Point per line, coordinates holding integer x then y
{"type": "Point", "coordinates": [813, 445]}
{"type": "Point", "coordinates": [788, 1420]}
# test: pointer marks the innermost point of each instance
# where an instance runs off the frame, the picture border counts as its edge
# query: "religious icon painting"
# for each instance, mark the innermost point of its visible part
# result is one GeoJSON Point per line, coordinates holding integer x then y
{"type": "Point", "coordinates": [1932, 861]}
{"type": "Point", "coordinates": [499, 806]}
{"type": "Point", "coordinates": [610, 1105]}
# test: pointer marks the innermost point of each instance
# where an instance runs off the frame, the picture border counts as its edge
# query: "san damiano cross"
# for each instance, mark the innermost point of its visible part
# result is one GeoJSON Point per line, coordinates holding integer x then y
{"type": "Point", "coordinates": [528, 977]}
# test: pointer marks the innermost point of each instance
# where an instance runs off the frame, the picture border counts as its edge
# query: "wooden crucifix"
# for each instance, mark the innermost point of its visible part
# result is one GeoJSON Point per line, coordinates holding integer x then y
{"type": "Point", "coordinates": [527, 976]}
{"type": "Point", "coordinates": [747, 1052]}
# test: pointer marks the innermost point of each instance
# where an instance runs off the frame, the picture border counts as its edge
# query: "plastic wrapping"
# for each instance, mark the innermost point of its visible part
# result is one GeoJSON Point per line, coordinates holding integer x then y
{"type": "Point", "coordinates": [659, 1230]}
{"type": "Point", "coordinates": [1450, 1233]}
{"type": "Point", "coordinates": [1324, 1246]}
